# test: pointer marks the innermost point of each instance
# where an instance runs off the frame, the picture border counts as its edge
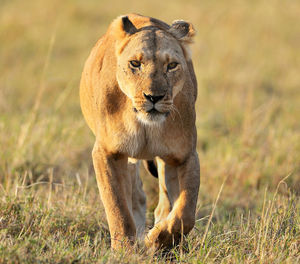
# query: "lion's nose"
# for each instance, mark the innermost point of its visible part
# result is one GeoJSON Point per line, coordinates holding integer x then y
{"type": "Point", "coordinates": [152, 98]}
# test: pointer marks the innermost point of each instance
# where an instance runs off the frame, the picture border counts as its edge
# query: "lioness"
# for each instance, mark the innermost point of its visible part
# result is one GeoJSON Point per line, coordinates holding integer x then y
{"type": "Point", "coordinates": [138, 91]}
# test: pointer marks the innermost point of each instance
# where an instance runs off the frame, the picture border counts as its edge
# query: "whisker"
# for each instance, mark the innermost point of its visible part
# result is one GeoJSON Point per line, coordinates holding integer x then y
{"type": "Point", "coordinates": [172, 114]}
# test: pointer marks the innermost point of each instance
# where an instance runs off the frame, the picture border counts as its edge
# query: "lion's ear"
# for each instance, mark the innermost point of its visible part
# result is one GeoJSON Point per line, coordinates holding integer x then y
{"type": "Point", "coordinates": [127, 25]}
{"type": "Point", "coordinates": [123, 27]}
{"type": "Point", "coordinates": [182, 31]}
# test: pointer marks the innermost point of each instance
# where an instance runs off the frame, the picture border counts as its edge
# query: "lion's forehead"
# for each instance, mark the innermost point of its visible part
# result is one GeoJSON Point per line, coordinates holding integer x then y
{"type": "Point", "coordinates": [156, 44]}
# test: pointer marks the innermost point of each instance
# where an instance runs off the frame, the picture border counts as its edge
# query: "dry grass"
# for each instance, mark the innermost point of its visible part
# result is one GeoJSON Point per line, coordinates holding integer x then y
{"type": "Point", "coordinates": [247, 62]}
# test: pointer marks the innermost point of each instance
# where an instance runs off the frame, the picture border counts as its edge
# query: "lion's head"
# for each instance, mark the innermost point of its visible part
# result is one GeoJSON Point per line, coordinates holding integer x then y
{"type": "Point", "coordinates": [152, 66]}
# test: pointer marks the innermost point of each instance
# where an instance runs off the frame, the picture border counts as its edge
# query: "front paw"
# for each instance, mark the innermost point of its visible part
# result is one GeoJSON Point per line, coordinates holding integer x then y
{"type": "Point", "coordinates": [161, 236]}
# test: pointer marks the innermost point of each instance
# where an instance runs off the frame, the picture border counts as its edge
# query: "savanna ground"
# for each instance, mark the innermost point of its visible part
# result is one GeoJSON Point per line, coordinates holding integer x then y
{"type": "Point", "coordinates": [247, 62]}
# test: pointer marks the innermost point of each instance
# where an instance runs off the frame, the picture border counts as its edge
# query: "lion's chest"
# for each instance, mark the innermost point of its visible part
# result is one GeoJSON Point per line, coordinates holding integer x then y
{"type": "Point", "coordinates": [144, 142]}
{"type": "Point", "coordinates": [168, 139]}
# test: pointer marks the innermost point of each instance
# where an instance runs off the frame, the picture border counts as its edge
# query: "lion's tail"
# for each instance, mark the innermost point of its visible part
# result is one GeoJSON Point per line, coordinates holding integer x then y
{"type": "Point", "coordinates": [151, 167]}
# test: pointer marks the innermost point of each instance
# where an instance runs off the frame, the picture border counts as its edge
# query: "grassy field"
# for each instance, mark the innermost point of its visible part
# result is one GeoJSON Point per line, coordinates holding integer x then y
{"type": "Point", "coordinates": [247, 62]}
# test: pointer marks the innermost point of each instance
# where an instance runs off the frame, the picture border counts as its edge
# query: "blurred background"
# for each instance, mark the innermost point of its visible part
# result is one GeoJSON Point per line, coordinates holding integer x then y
{"type": "Point", "coordinates": [247, 61]}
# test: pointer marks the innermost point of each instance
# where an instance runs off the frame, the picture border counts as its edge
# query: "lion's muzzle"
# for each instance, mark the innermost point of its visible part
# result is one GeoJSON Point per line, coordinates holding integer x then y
{"type": "Point", "coordinates": [152, 108]}
{"type": "Point", "coordinates": [154, 104]}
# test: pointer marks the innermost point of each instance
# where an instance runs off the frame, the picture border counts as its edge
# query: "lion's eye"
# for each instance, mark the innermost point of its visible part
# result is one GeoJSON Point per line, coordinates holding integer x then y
{"type": "Point", "coordinates": [135, 63]}
{"type": "Point", "coordinates": [172, 66]}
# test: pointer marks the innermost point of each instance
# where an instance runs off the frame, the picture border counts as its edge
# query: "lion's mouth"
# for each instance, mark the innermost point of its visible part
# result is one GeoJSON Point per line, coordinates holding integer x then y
{"type": "Point", "coordinates": [152, 112]}
{"type": "Point", "coordinates": [152, 116]}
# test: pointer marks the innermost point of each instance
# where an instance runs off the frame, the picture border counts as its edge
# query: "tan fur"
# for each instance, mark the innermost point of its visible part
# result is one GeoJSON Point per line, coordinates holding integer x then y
{"type": "Point", "coordinates": [113, 96]}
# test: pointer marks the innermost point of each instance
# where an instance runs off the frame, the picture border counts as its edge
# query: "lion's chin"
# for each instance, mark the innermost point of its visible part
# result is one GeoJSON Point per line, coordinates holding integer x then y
{"type": "Point", "coordinates": [152, 117]}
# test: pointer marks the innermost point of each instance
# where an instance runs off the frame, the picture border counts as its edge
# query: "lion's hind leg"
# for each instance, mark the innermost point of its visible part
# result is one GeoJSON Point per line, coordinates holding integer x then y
{"type": "Point", "coordinates": [138, 198]}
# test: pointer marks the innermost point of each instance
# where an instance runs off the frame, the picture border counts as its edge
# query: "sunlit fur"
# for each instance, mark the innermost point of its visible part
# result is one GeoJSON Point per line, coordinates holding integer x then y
{"type": "Point", "coordinates": [119, 102]}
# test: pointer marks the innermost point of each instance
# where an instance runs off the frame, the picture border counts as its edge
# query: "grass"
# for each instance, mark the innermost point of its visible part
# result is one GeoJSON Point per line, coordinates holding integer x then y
{"type": "Point", "coordinates": [247, 62]}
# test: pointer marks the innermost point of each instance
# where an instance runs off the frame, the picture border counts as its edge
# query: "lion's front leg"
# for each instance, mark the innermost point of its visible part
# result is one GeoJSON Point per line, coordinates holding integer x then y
{"type": "Point", "coordinates": [181, 218]}
{"type": "Point", "coordinates": [113, 180]}
{"type": "Point", "coordinates": [168, 190]}
{"type": "Point", "coordinates": [138, 199]}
